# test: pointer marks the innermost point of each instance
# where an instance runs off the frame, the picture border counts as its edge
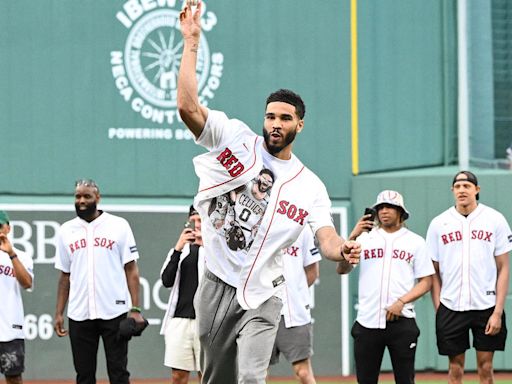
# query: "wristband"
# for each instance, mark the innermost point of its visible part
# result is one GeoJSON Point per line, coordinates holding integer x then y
{"type": "Point", "coordinates": [13, 256]}
{"type": "Point", "coordinates": [136, 309]}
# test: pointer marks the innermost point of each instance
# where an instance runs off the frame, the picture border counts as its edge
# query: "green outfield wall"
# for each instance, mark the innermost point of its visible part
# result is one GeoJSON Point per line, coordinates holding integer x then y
{"type": "Point", "coordinates": [89, 87]}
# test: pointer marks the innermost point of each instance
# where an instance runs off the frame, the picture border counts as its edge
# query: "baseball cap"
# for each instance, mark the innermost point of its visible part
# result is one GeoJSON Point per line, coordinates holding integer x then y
{"type": "Point", "coordinates": [466, 176]}
{"type": "Point", "coordinates": [128, 327]}
{"type": "Point", "coordinates": [4, 218]}
{"type": "Point", "coordinates": [192, 211]}
{"type": "Point", "coordinates": [392, 198]}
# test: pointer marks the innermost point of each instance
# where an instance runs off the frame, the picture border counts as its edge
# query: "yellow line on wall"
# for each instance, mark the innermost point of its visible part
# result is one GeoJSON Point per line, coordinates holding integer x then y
{"type": "Point", "coordinates": [354, 88]}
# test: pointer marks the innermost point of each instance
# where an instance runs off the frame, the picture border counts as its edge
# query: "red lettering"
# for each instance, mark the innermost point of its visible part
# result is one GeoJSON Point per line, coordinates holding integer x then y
{"type": "Point", "coordinates": [230, 161]}
{"type": "Point", "coordinates": [224, 155]}
{"type": "Point", "coordinates": [283, 205]}
{"type": "Point", "coordinates": [291, 211]}
{"type": "Point", "coordinates": [380, 253]}
{"type": "Point", "coordinates": [96, 241]}
{"type": "Point", "coordinates": [237, 169]}
{"type": "Point", "coordinates": [110, 244]}
{"type": "Point", "coordinates": [444, 239]}
{"type": "Point", "coordinates": [292, 251]}
{"type": "Point", "coordinates": [302, 215]}
{"type": "Point", "coordinates": [458, 235]}
{"type": "Point", "coordinates": [366, 254]}
{"type": "Point", "coordinates": [488, 236]}
{"type": "Point", "coordinates": [409, 257]}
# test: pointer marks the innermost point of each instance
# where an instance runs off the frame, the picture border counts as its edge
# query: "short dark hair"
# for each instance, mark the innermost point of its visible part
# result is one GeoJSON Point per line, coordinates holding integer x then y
{"type": "Point", "coordinates": [268, 172]}
{"type": "Point", "coordinates": [192, 211]}
{"type": "Point", "coordinates": [289, 97]}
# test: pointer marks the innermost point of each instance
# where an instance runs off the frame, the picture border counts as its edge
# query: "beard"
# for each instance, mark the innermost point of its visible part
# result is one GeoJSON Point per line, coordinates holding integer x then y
{"type": "Point", "coordinates": [87, 213]}
{"type": "Point", "coordinates": [273, 149]}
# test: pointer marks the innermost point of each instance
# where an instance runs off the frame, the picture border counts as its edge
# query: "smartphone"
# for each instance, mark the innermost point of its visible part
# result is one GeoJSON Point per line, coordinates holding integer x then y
{"type": "Point", "coordinates": [189, 224]}
{"type": "Point", "coordinates": [372, 212]}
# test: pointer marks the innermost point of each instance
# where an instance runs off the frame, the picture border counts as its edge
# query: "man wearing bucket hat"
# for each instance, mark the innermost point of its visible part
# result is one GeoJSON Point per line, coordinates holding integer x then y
{"type": "Point", "coordinates": [16, 272]}
{"type": "Point", "coordinates": [469, 245]}
{"type": "Point", "coordinates": [394, 271]}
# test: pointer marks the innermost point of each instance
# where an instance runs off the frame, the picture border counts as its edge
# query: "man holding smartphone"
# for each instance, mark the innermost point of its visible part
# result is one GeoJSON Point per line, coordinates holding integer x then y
{"type": "Point", "coordinates": [394, 271]}
{"type": "Point", "coordinates": [182, 271]}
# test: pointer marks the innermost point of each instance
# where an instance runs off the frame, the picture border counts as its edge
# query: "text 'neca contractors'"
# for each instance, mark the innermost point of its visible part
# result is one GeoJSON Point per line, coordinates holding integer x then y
{"type": "Point", "coordinates": [149, 134]}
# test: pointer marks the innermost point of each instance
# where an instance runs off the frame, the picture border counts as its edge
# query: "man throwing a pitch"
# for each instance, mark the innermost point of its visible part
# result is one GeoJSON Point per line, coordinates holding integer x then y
{"type": "Point", "coordinates": [469, 244]}
{"type": "Point", "coordinates": [238, 303]}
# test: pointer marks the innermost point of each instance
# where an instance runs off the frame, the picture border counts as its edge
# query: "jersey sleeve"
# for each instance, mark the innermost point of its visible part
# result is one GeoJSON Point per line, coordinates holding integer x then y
{"type": "Point", "coordinates": [423, 265]}
{"type": "Point", "coordinates": [62, 257]}
{"type": "Point", "coordinates": [129, 247]}
{"type": "Point", "coordinates": [503, 236]}
{"type": "Point", "coordinates": [320, 215]}
{"type": "Point", "coordinates": [311, 252]}
{"type": "Point", "coordinates": [432, 246]}
{"type": "Point", "coordinates": [219, 129]}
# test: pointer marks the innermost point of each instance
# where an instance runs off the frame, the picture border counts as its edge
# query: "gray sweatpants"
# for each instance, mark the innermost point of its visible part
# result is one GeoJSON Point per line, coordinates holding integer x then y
{"type": "Point", "coordinates": [236, 344]}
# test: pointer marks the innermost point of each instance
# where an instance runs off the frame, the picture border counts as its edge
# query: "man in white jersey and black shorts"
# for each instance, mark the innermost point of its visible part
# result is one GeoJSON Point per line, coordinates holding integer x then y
{"type": "Point", "coordinates": [469, 244]}
{"type": "Point", "coordinates": [238, 304]}
{"type": "Point", "coordinates": [394, 272]}
{"type": "Point", "coordinates": [294, 338]}
{"type": "Point", "coordinates": [16, 272]}
{"type": "Point", "coordinates": [97, 257]}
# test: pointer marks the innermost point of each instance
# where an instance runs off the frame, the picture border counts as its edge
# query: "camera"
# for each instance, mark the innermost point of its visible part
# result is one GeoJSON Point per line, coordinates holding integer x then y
{"type": "Point", "coordinates": [372, 212]}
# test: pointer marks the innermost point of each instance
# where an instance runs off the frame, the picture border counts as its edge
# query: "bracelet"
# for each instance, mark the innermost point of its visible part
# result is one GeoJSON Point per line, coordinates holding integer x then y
{"type": "Point", "coordinates": [400, 300]}
{"type": "Point", "coordinates": [13, 256]}
{"type": "Point", "coordinates": [136, 309]}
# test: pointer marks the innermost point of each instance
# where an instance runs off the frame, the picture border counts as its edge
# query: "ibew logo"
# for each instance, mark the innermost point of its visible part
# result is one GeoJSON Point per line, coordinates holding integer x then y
{"type": "Point", "coordinates": [146, 72]}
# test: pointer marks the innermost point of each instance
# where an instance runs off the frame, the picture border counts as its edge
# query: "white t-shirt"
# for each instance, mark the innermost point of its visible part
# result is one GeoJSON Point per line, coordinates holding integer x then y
{"type": "Point", "coordinates": [389, 265]}
{"type": "Point", "coordinates": [465, 248]}
{"type": "Point", "coordinates": [246, 224]}
{"type": "Point", "coordinates": [297, 298]}
{"type": "Point", "coordinates": [95, 254]}
{"type": "Point", "coordinates": [12, 315]}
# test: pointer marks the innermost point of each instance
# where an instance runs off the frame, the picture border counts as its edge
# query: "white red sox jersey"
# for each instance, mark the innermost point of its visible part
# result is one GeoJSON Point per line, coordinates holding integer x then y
{"type": "Point", "coordinates": [465, 248]}
{"type": "Point", "coordinates": [389, 265]}
{"type": "Point", "coordinates": [94, 254]}
{"type": "Point", "coordinates": [12, 315]}
{"type": "Point", "coordinates": [235, 159]}
{"type": "Point", "coordinates": [296, 297]}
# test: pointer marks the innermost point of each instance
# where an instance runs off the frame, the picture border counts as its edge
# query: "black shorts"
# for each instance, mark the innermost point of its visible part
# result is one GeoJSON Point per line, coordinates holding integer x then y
{"type": "Point", "coordinates": [452, 331]}
{"type": "Point", "coordinates": [12, 357]}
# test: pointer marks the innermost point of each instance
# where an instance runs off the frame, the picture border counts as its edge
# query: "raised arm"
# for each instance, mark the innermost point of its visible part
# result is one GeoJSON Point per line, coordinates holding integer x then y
{"type": "Point", "coordinates": [22, 275]}
{"type": "Point", "coordinates": [192, 113]}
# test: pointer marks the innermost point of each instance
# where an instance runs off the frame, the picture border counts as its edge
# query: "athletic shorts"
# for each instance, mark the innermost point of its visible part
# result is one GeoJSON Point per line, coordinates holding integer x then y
{"type": "Point", "coordinates": [12, 357]}
{"type": "Point", "coordinates": [452, 331]}
{"type": "Point", "coordinates": [295, 343]}
{"type": "Point", "coordinates": [182, 344]}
